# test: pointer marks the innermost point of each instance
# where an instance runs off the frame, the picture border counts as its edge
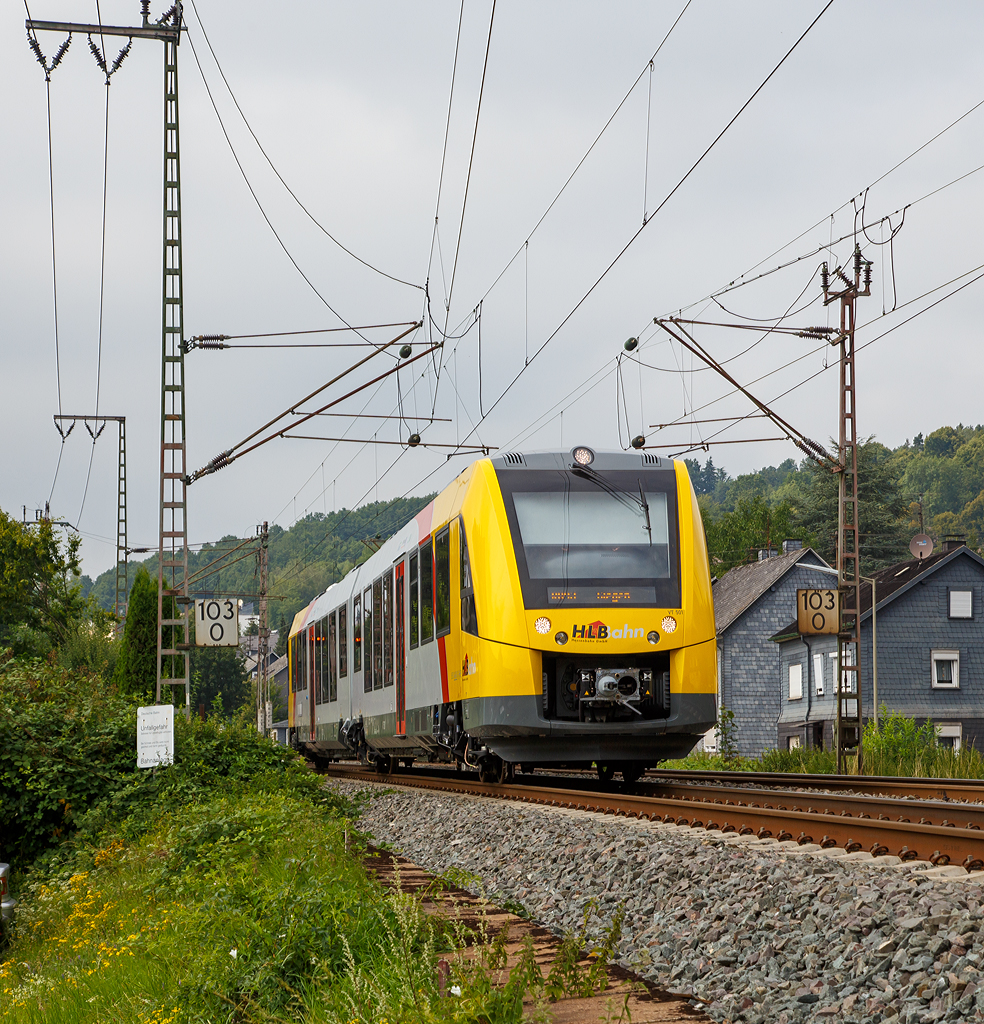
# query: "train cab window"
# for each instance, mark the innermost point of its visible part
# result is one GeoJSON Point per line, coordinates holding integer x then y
{"type": "Point", "coordinates": [414, 602]}
{"type": "Point", "coordinates": [388, 628]}
{"type": "Point", "coordinates": [426, 593]}
{"type": "Point", "coordinates": [377, 634]}
{"type": "Point", "coordinates": [469, 620]}
{"type": "Point", "coordinates": [367, 624]}
{"type": "Point", "coordinates": [442, 583]}
{"type": "Point", "coordinates": [332, 671]}
{"type": "Point", "coordinates": [343, 641]}
{"type": "Point", "coordinates": [357, 633]}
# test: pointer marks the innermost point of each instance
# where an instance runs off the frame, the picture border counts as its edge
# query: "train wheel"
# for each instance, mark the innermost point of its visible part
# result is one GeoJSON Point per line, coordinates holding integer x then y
{"type": "Point", "coordinates": [632, 774]}
{"type": "Point", "coordinates": [505, 772]}
{"type": "Point", "coordinates": [605, 772]}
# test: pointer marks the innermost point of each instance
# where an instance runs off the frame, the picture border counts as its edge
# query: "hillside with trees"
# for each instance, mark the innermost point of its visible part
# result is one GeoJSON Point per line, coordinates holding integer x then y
{"type": "Point", "coordinates": [932, 484]}
{"type": "Point", "coordinates": [304, 560]}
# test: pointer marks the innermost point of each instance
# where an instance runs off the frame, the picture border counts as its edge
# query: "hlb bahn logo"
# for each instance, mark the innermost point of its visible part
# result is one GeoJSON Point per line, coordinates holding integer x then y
{"type": "Point", "coordinates": [599, 631]}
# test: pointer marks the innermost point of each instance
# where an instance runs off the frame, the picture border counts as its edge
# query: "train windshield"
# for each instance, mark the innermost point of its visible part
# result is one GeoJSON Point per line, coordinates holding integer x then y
{"type": "Point", "coordinates": [586, 538]}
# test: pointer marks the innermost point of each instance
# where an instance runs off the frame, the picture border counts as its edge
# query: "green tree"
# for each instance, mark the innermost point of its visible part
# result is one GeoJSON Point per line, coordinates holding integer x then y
{"type": "Point", "coordinates": [218, 672]}
{"type": "Point", "coordinates": [732, 537]}
{"type": "Point", "coordinates": [39, 587]}
{"type": "Point", "coordinates": [282, 630]}
{"type": "Point", "coordinates": [883, 512]}
{"type": "Point", "coordinates": [135, 675]}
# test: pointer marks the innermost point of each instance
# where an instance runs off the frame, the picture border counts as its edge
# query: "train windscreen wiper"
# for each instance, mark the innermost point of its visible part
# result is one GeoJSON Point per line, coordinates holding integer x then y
{"type": "Point", "coordinates": [618, 493]}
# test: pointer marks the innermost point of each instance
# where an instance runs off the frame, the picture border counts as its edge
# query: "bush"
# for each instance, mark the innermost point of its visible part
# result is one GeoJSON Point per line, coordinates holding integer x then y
{"type": "Point", "coordinates": [68, 761]}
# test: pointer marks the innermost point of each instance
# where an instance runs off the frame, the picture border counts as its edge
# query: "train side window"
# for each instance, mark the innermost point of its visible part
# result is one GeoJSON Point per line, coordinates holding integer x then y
{"type": "Point", "coordinates": [367, 624]}
{"type": "Point", "coordinates": [343, 641]}
{"type": "Point", "coordinates": [414, 602]}
{"type": "Point", "coordinates": [332, 653]}
{"type": "Point", "coordinates": [469, 619]}
{"type": "Point", "coordinates": [292, 647]}
{"type": "Point", "coordinates": [302, 682]}
{"type": "Point", "coordinates": [377, 634]}
{"type": "Point", "coordinates": [426, 593]}
{"type": "Point", "coordinates": [357, 633]}
{"type": "Point", "coordinates": [315, 634]}
{"type": "Point", "coordinates": [388, 628]}
{"type": "Point", "coordinates": [442, 583]}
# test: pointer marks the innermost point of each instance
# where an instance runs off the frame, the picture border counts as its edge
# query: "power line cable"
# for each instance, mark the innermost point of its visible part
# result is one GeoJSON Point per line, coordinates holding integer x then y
{"type": "Point", "coordinates": [280, 177]}
{"type": "Point", "coordinates": [661, 205]}
{"type": "Point", "coordinates": [256, 198]}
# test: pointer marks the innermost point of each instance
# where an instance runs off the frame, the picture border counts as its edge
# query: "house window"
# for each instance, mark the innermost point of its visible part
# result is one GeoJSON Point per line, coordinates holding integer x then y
{"type": "Point", "coordinates": [949, 734]}
{"type": "Point", "coordinates": [849, 678]}
{"type": "Point", "coordinates": [818, 673]}
{"type": "Point", "coordinates": [795, 682]}
{"type": "Point", "coordinates": [961, 604]}
{"type": "Point", "coordinates": [946, 670]}
{"type": "Point", "coordinates": [794, 742]}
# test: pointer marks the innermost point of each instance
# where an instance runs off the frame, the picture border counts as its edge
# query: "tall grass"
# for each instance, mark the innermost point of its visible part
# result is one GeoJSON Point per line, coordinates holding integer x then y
{"type": "Point", "coordinates": [896, 746]}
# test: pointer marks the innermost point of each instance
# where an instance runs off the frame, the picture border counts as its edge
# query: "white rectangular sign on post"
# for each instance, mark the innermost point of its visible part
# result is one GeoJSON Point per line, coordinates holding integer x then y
{"type": "Point", "coordinates": [155, 736]}
{"type": "Point", "coordinates": [217, 622]}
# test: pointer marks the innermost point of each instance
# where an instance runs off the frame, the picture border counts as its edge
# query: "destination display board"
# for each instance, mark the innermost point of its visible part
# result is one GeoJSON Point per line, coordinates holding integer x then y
{"type": "Point", "coordinates": [601, 595]}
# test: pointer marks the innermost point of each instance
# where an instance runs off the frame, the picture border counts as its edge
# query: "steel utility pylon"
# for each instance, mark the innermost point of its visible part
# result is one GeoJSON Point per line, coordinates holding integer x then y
{"type": "Point", "coordinates": [172, 572]}
{"type": "Point", "coordinates": [849, 705]}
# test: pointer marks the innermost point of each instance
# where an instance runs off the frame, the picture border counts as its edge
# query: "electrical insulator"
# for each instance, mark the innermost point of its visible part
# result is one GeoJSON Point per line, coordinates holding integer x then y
{"type": "Point", "coordinates": [867, 274]}
{"type": "Point", "coordinates": [824, 278]}
{"type": "Point", "coordinates": [639, 441]}
{"type": "Point", "coordinates": [631, 344]}
{"type": "Point", "coordinates": [413, 440]}
{"type": "Point", "coordinates": [857, 261]}
{"type": "Point", "coordinates": [405, 351]}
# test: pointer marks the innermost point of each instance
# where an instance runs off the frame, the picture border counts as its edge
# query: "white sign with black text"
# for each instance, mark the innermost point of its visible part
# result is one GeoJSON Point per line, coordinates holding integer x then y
{"type": "Point", "coordinates": [155, 736]}
{"type": "Point", "coordinates": [217, 622]}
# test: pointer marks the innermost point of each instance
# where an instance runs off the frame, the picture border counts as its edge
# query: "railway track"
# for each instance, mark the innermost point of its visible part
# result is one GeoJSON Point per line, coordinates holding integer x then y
{"type": "Point", "coordinates": [940, 831]}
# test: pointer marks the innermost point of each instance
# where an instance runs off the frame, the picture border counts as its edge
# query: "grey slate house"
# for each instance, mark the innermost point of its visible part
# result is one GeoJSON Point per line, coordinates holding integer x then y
{"type": "Point", "coordinates": [752, 602]}
{"type": "Point", "coordinates": [930, 638]}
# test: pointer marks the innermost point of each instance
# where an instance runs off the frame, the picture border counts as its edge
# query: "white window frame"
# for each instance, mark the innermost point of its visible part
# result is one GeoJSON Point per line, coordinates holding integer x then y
{"type": "Point", "coordinates": [959, 593]}
{"type": "Point", "coordinates": [945, 655]}
{"type": "Point", "coordinates": [818, 674]}
{"type": "Point", "coordinates": [794, 742]}
{"type": "Point", "coordinates": [951, 730]}
{"type": "Point", "coordinates": [850, 680]}
{"type": "Point", "coordinates": [796, 682]}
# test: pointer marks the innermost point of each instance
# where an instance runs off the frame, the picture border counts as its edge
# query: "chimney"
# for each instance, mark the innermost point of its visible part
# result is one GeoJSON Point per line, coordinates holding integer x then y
{"type": "Point", "coordinates": [791, 545]}
{"type": "Point", "coordinates": [953, 541]}
{"type": "Point", "coordinates": [765, 553]}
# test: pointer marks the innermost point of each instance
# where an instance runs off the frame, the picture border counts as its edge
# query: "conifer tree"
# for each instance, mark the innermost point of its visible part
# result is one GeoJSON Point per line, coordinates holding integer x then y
{"type": "Point", "coordinates": [136, 668]}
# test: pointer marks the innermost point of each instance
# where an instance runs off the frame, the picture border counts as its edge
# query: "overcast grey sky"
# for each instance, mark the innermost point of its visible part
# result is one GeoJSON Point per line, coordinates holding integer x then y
{"type": "Point", "coordinates": [350, 102]}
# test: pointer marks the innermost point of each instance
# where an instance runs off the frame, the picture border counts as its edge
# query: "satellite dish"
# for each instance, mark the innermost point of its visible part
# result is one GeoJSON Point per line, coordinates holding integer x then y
{"type": "Point", "coordinates": [921, 545]}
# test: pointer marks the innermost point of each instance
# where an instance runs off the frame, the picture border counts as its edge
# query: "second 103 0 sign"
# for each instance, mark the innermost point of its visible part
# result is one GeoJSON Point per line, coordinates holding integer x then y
{"type": "Point", "coordinates": [817, 611]}
{"type": "Point", "coordinates": [216, 622]}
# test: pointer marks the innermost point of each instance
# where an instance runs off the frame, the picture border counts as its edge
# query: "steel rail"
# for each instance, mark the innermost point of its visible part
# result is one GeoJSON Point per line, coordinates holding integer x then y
{"type": "Point", "coordinates": [879, 785]}
{"type": "Point", "coordinates": [939, 844]}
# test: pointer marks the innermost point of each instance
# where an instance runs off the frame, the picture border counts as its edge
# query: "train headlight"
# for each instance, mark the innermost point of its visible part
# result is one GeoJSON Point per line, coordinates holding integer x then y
{"type": "Point", "coordinates": [668, 624]}
{"type": "Point", "coordinates": [652, 636]}
{"type": "Point", "coordinates": [583, 456]}
{"type": "Point", "coordinates": [542, 624]}
{"type": "Point", "coordinates": [560, 637]}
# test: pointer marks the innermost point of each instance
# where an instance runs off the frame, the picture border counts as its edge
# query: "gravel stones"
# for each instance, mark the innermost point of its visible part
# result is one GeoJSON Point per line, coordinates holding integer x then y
{"type": "Point", "coordinates": [751, 932]}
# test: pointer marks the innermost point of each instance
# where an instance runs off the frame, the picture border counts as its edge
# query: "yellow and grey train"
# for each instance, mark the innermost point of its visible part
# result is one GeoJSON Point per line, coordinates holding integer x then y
{"type": "Point", "coordinates": [545, 609]}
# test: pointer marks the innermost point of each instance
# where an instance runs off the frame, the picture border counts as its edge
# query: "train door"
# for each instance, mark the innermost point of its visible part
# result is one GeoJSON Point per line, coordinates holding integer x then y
{"type": "Point", "coordinates": [314, 675]}
{"type": "Point", "coordinates": [400, 653]}
{"type": "Point", "coordinates": [447, 638]}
